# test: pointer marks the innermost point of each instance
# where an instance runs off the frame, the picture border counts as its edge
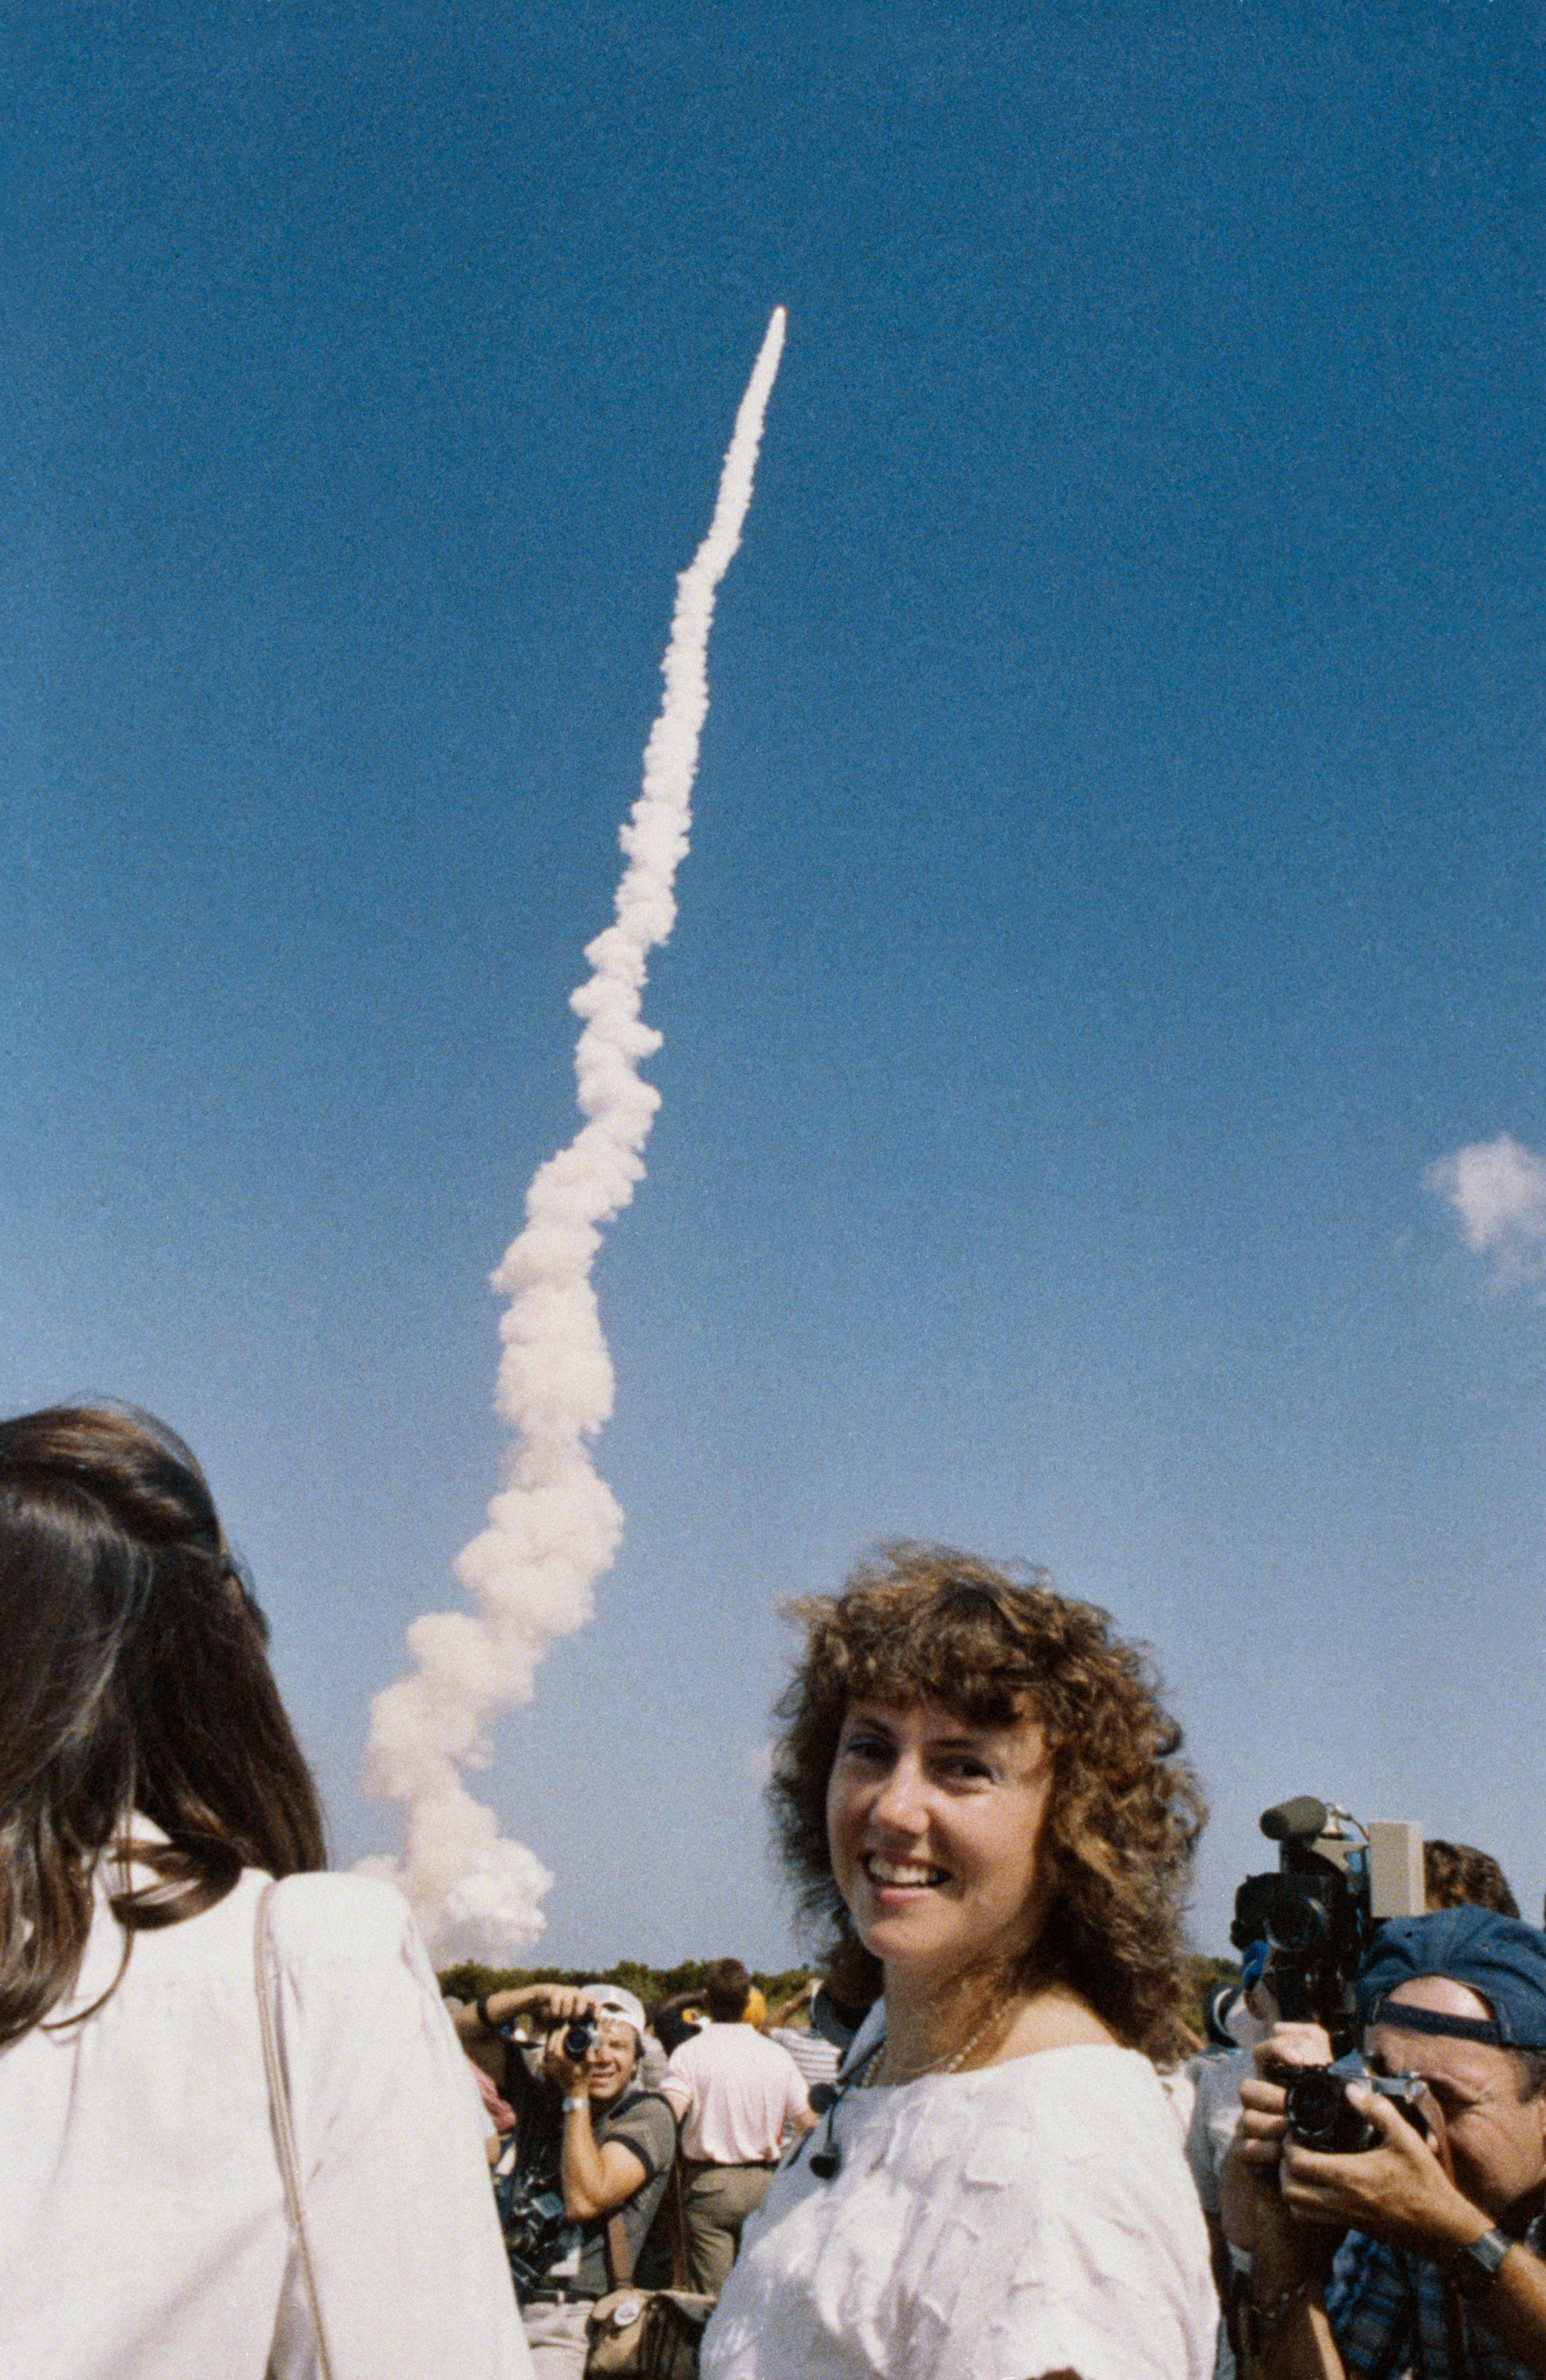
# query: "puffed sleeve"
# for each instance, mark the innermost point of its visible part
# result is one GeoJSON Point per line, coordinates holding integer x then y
{"type": "Point", "coordinates": [1087, 2255]}
{"type": "Point", "coordinates": [409, 2266]}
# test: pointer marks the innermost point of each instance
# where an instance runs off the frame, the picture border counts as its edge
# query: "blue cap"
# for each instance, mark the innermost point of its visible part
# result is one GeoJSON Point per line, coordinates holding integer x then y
{"type": "Point", "coordinates": [1499, 1957]}
{"type": "Point", "coordinates": [1252, 1964]}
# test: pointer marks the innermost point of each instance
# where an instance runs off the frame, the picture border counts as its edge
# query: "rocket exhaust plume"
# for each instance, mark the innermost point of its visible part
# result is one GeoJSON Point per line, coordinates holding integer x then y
{"type": "Point", "coordinates": [554, 1526]}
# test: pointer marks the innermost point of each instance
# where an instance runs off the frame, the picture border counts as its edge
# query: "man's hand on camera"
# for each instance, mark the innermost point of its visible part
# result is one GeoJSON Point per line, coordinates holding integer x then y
{"type": "Point", "coordinates": [571, 2074]}
{"type": "Point", "coordinates": [552, 2004]}
{"type": "Point", "coordinates": [1292, 2042]}
{"type": "Point", "coordinates": [1257, 2145]}
{"type": "Point", "coordinates": [1397, 2191]}
{"type": "Point", "coordinates": [1252, 2207]}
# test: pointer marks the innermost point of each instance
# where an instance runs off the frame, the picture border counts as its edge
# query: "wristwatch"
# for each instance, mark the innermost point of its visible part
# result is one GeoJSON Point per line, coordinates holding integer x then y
{"type": "Point", "coordinates": [1475, 2267]}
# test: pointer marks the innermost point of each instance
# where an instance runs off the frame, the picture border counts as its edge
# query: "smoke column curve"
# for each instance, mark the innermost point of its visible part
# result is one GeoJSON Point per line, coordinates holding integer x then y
{"type": "Point", "coordinates": [553, 1525]}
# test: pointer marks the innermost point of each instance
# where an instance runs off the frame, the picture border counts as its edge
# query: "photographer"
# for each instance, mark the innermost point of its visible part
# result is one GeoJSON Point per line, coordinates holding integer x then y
{"type": "Point", "coordinates": [1441, 2273]}
{"type": "Point", "coordinates": [591, 2150]}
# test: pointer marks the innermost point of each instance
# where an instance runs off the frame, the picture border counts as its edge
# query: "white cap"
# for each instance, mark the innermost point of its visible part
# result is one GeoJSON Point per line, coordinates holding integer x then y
{"type": "Point", "coordinates": [611, 1999]}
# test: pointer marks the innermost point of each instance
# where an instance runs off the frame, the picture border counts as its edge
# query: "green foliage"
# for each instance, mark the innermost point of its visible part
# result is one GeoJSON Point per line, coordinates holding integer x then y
{"type": "Point", "coordinates": [471, 1981]}
{"type": "Point", "coordinates": [1207, 1974]}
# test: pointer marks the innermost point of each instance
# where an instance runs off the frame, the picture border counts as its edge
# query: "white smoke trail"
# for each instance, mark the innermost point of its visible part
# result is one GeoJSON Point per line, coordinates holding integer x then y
{"type": "Point", "coordinates": [554, 1526]}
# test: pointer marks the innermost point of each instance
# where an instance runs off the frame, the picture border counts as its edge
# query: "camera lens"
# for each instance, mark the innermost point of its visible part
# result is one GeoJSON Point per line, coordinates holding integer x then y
{"type": "Point", "coordinates": [1299, 1922]}
{"type": "Point", "coordinates": [1315, 2104]}
{"type": "Point", "coordinates": [578, 2040]}
{"type": "Point", "coordinates": [1319, 2115]}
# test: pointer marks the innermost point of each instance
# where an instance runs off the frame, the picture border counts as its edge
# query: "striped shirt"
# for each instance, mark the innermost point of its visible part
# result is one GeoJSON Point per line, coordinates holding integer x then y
{"type": "Point", "coordinates": [816, 2059]}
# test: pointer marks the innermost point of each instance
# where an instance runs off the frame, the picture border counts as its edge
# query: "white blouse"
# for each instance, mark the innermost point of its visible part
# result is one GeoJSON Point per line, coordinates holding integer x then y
{"type": "Point", "coordinates": [1032, 2217]}
{"type": "Point", "coordinates": [142, 2225]}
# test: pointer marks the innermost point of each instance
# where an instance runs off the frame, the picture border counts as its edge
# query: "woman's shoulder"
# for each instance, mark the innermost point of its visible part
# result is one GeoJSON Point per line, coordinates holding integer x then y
{"type": "Point", "coordinates": [1046, 2122]}
{"type": "Point", "coordinates": [1097, 2080]}
{"type": "Point", "coordinates": [324, 1916]}
{"type": "Point", "coordinates": [1039, 2121]}
{"type": "Point", "coordinates": [1085, 2133]}
{"type": "Point", "coordinates": [317, 1923]}
{"type": "Point", "coordinates": [1043, 2202]}
{"type": "Point", "coordinates": [347, 1958]}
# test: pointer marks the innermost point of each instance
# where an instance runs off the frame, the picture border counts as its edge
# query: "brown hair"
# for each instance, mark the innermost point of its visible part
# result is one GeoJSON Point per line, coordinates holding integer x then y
{"type": "Point", "coordinates": [133, 1678]}
{"type": "Point", "coordinates": [1123, 1815]}
{"type": "Point", "coordinates": [727, 1988]}
{"type": "Point", "coordinates": [1456, 1875]}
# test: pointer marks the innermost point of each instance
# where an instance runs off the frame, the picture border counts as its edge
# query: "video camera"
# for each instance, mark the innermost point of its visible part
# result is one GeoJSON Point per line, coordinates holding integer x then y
{"type": "Point", "coordinates": [1322, 1906]}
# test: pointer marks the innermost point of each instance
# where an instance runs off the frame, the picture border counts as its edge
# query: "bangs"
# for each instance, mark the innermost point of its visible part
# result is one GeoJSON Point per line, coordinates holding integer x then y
{"type": "Point", "coordinates": [959, 1650]}
{"type": "Point", "coordinates": [976, 1644]}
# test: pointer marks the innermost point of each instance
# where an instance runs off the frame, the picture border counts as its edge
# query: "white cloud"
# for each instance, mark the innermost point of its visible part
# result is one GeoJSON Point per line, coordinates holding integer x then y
{"type": "Point", "coordinates": [1498, 1189]}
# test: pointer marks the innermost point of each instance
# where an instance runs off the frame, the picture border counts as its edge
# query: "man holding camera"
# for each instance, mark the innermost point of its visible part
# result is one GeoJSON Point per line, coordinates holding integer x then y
{"type": "Point", "coordinates": [1441, 2274]}
{"type": "Point", "coordinates": [590, 2159]}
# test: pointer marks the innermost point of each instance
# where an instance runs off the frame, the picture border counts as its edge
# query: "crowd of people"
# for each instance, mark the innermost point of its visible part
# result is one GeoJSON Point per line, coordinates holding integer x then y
{"type": "Point", "coordinates": [243, 2134]}
{"type": "Point", "coordinates": [591, 2118]}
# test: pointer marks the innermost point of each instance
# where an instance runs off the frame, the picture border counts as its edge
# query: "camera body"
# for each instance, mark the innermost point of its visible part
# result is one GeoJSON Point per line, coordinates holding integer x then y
{"type": "Point", "coordinates": [535, 2226]}
{"type": "Point", "coordinates": [1321, 2117]}
{"type": "Point", "coordinates": [1324, 1903]}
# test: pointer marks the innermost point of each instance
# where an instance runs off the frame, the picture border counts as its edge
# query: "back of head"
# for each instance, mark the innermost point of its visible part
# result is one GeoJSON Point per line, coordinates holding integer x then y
{"type": "Point", "coordinates": [1456, 1875]}
{"type": "Point", "coordinates": [134, 1677]}
{"type": "Point", "coordinates": [727, 1988]}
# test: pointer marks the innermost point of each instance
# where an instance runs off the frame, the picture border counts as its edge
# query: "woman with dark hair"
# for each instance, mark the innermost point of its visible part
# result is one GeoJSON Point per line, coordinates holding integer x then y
{"type": "Point", "coordinates": [980, 1802]}
{"type": "Point", "coordinates": [151, 1788]}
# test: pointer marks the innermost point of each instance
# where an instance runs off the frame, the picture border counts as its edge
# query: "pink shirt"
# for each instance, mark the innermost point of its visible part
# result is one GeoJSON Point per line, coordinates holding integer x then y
{"type": "Point", "coordinates": [734, 2095]}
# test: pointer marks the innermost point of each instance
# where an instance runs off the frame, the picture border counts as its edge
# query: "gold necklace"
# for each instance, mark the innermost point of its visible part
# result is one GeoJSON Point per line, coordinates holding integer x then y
{"type": "Point", "coordinates": [950, 2063]}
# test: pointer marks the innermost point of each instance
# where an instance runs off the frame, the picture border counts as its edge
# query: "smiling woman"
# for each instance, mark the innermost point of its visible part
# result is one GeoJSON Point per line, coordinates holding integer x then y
{"type": "Point", "coordinates": [934, 1831]}
{"type": "Point", "coordinates": [982, 1804]}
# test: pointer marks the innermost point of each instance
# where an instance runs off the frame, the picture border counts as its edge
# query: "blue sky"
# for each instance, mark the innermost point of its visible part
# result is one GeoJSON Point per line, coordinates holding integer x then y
{"type": "Point", "coordinates": [1117, 876]}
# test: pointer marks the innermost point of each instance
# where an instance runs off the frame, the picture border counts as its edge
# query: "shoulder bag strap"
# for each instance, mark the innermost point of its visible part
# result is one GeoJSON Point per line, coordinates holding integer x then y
{"type": "Point", "coordinates": [1456, 2337]}
{"type": "Point", "coordinates": [284, 2131]}
{"type": "Point", "coordinates": [614, 2239]}
{"type": "Point", "coordinates": [676, 2223]}
{"type": "Point", "coordinates": [619, 2262]}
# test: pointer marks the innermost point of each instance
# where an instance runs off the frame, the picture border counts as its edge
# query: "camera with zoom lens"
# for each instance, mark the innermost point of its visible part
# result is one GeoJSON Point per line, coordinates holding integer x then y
{"type": "Point", "coordinates": [1320, 2115]}
{"type": "Point", "coordinates": [1323, 1905]}
{"type": "Point", "coordinates": [535, 2226]}
{"type": "Point", "coordinates": [578, 2040]}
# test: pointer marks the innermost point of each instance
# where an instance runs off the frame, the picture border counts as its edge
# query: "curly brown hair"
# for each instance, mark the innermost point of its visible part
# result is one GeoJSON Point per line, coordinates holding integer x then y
{"type": "Point", "coordinates": [1124, 1812]}
{"type": "Point", "coordinates": [1456, 1874]}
